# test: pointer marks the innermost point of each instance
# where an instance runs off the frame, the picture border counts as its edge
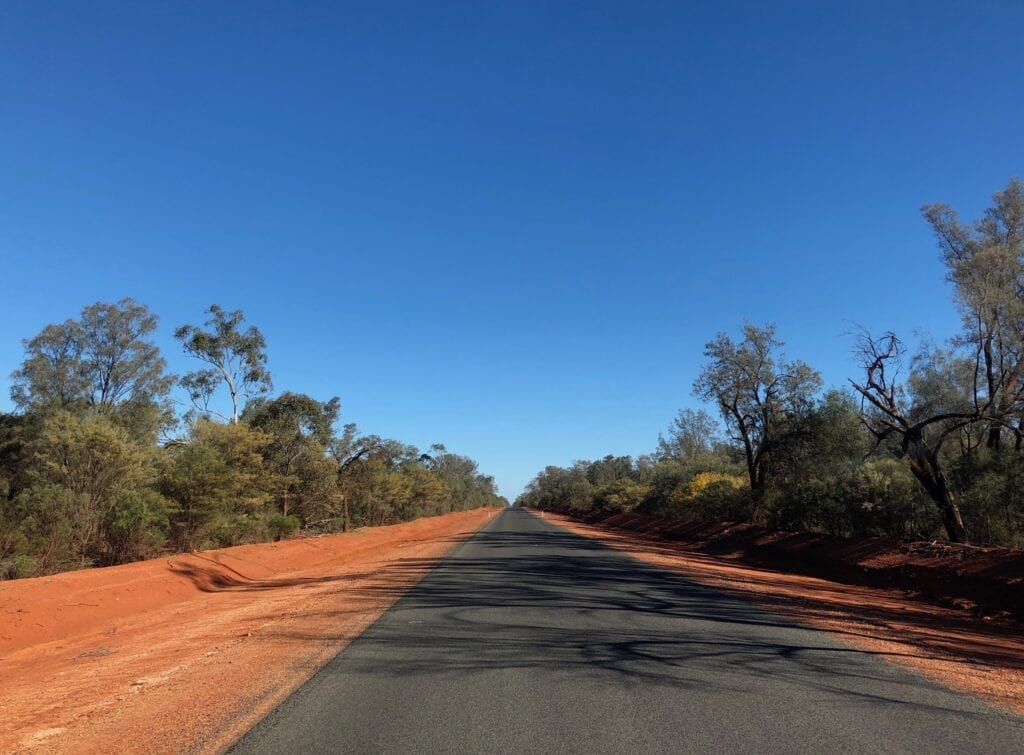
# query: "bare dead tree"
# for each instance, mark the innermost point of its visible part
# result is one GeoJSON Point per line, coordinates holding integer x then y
{"type": "Point", "coordinates": [919, 439]}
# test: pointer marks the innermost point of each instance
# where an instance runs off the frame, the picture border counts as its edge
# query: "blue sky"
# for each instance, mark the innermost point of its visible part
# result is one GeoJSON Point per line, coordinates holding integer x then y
{"type": "Point", "coordinates": [506, 227]}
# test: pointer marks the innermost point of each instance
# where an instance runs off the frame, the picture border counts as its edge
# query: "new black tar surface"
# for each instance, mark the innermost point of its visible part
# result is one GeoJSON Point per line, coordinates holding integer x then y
{"type": "Point", "coordinates": [529, 638]}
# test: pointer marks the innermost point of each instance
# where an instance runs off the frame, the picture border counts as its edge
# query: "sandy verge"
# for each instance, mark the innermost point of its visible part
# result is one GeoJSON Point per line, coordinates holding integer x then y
{"type": "Point", "coordinates": [184, 654]}
{"type": "Point", "coordinates": [954, 647]}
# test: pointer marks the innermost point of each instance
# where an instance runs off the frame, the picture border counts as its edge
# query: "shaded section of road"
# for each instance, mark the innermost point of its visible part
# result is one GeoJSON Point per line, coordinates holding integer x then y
{"type": "Point", "coordinates": [530, 638]}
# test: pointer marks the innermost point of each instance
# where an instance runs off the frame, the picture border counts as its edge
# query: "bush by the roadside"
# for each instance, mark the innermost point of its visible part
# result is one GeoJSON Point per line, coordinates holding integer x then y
{"type": "Point", "coordinates": [84, 480]}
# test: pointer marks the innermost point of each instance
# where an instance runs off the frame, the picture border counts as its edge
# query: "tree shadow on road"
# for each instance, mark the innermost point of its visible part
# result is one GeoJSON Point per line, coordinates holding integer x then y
{"type": "Point", "coordinates": [552, 602]}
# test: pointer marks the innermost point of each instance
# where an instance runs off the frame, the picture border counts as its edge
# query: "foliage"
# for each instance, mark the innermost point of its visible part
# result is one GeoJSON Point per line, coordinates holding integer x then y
{"type": "Point", "coordinates": [300, 430]}
{"type": "Point", "coordinates": [762, 397]}
{"type": "Point", "coordinates": [692, 434]}
{"type": "Point", "coordinates": [88, 455]}
{"type": "Point", "coordinates": [282, 525]}
{"type": "Point", "coordinates": [84, 462]}
{"type": "Point", "coordinates": [619, 496]}
{"type": "Point", "coordinates": [135, 526]}
{"type": "Point", "coordinates": [992, 482]}
{"type": "Point", "coordinates": [217, 479]}
{"type": "Point", "coordinates": [236, 358]}
{"type": "Point", "coordinates": [84, 480]}
{"type": "Point", "coordinates": [704, 480]}
{"type": "Point", "coordinates": [102, 362]}
{"type": "Point", "coordinates": [47, 537]}
{"type": "Point", "coordinates": [985, 263]}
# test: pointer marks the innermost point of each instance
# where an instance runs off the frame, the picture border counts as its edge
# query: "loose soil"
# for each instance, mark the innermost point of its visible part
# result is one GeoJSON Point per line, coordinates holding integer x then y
{"type": "Point", "coordinates": [933, 623]}
{"type": "Point", "coordinates": [184, 654]}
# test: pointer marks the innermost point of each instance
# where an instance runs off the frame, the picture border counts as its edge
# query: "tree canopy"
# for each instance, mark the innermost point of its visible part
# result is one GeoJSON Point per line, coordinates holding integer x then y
{"type": "Point", "coordinates": [102, 361]}
{"type": "Point", "coordinates": [237, 360]}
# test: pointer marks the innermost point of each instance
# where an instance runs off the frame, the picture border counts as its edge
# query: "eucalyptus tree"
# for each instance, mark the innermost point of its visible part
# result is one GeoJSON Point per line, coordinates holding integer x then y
{"type": "Point", "coordinates": [237, 360]}
{"type": "Point", "coordinates": [692, 434]}
{"type": "Point", "coordinates": [350, 450]}
{"type": "Point", "coordinates": [831, 444]}
{"type": "Point", "coordinates": [985, 264]}
{"type": "Point", "coordinates": [301, 430]}
{"type": "Point", "coordinates": [763, 398]}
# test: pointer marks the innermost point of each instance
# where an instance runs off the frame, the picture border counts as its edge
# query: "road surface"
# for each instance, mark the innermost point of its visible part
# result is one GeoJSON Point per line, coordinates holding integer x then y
{"type": "Point", "coordinates": [529, 638]}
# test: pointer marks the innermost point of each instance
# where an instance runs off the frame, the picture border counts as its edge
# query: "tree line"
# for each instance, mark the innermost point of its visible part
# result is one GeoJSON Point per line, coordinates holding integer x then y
{"type": "Point", "coordinates": [99, 464]}
{"type": "Point", "coordinates": [921, 444]}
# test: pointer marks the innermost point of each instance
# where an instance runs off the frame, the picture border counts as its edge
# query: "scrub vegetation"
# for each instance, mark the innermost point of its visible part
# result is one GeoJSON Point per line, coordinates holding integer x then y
{"type": "Point", "coordinates": [922, 445]}
{"type": "Point", "coordinates": [99, 465]}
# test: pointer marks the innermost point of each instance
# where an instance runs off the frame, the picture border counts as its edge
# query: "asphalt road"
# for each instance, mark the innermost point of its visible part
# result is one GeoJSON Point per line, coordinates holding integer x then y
{"type": "Point", "coordinates": [531, 639]}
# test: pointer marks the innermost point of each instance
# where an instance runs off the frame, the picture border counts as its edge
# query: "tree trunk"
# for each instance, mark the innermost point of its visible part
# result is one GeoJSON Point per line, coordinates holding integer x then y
{"type": "Point", "coordinates": [757, 512]}
{"type": "Point", "coordinates": [950, 512]}
{"type": "Point", "coordinates": [925, 466]}
{"type": "Point", "coordinates": [753, 474]}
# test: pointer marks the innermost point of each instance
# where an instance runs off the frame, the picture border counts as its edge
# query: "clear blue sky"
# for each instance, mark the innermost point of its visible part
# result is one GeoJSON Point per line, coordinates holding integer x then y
{"type": "Point", "coordinates": [506, 227]}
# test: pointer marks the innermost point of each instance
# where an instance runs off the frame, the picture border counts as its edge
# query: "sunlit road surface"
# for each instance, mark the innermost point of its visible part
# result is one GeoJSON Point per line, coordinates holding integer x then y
{"type": "Point", "coordinates": [531, 639]}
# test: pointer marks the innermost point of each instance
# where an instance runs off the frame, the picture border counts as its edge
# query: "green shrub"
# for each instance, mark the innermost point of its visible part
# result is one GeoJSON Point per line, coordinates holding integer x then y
{"type": "Point", "coordinates": [620, 496]}
{"type": "Point", "coordinates": [240, 529]}
{"type": "Point", "coordinates": [993, 503]}
{"type": "Point", "coordinates": [719, 500]}
{"type": "Point", "coordinates": [58, 525]}
{"type": "Point", "coordinates": [18, 567]}
{"type": "Point", "coordinates": [282, 526]}
{"type": "Point", "coordinates": [136, 526]}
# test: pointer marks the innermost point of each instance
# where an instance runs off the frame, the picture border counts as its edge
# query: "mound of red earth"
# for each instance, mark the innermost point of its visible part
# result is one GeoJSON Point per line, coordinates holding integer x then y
{"type": "Point", "coordinates": [987, 581]}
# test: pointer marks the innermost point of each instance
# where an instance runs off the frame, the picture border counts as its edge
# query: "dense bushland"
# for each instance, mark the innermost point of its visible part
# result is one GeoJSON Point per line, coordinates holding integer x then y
{"type": "Point", "coordinates": [98, 466]}
{"type": "Point", "coordinates": [920, 447]}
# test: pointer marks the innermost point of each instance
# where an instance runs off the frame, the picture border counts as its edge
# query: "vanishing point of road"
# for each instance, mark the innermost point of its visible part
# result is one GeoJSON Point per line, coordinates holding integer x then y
{"type": "Point", "coordinates": [529, 638]}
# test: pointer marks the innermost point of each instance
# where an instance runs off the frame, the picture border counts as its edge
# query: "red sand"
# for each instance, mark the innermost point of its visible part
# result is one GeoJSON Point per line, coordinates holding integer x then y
{"type": "Point", "coordinates": [186, 653]}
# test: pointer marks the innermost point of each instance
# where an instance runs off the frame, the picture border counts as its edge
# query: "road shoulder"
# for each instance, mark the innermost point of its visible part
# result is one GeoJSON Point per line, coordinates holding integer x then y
{"type": "Point", "coordinates": [195, 673]}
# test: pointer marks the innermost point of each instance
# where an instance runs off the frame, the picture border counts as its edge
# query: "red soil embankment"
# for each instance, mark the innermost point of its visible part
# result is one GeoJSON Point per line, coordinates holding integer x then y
{"type": "Point", "coordinates": [909, 604]}
{"type": "Point", "coordinates": [988, 581]}
{"type": "Point", "coordinates": [185, 653]}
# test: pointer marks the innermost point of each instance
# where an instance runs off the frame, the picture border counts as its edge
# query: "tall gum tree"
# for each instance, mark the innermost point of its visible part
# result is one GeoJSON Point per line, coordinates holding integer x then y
{"type": "Point", "coordinates": [237, 360]}
{"type": "Point", "coordinates": [301, 430]}
{"type": "Point", "coordinates": [985, 264]}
